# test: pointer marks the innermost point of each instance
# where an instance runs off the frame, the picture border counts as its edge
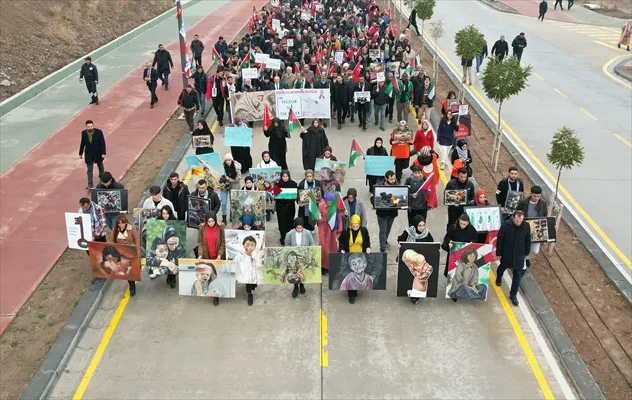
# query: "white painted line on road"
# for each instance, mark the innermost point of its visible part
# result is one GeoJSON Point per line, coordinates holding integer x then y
{"type": "Point", "coordinates": [588, 114]}
{"type": "Point", "coordinates": [560, 93]}
{"type": "Point", "coordinates": [623, 140]}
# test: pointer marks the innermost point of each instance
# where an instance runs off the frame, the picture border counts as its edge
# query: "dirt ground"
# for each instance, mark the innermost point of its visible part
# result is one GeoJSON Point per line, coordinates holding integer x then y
{"type": "Point", "coordinates": [594, 314]}
{"type": "Point", "coordinates": [28, 338]}
{"type": "Point", "coordinates": [38, 37]}
{"type": "Point", "coordinates": [612, 8]}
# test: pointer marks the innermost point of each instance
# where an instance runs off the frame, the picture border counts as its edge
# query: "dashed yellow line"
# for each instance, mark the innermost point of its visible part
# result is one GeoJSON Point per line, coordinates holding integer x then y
{"type": "Point", "coordinates": [538, 76]}
{"type": "Point", "coordinates": [621, 138]}
{"type": "Point", "coordinates": [560, 93]}
{"type": "Point", "coordinates": [607, 45]}
{"type": "Point", "coordinates": [324, 340]}
{"type": "Point", "coordinates": [588, 114]}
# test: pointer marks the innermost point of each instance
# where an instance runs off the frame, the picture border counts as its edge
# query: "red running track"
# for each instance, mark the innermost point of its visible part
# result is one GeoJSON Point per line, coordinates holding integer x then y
{"type": "Point", "coordinates": [51, 179]}
{"type": "Point", "coordinates": [531, 8]}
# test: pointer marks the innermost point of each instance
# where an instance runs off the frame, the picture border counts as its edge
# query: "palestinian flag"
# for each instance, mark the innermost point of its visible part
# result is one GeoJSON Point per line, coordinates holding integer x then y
{"type": "Point", "coordinates": [267, 121]}
{"type": "Point", "coordinates": [314, 213]}
{"type": "Point", "coordinates": [410, 68]}
{"type": "Point", "coordinates": [317, 72]}
{"type": "Point", "coordinates": [297, 67]}
{"type": "Point", "coordinates": [355, 153]}
{"type": "Point", "coordinates": [340, 204]}
{"type": "Point", "coordinates": [293, 123]}
{"type": "Point", "coordinates": [431, 90]}
{"type": "Point", "coordinates": [389, 89]}
{"type": "Point", "coordinates": [245, 62]}
{"type": "Point", "coordinates": [217, 58]}
{"type": "Point", "coordinates": [332, 213]}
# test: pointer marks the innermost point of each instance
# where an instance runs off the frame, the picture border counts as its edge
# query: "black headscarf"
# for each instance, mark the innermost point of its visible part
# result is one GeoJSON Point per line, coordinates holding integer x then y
{"type": "Point", "coordinates": [289, 184]}
{"type": "Point", "coordinates": [278, 130]}
{"type": "Point", "coordinates": [204, 131]}
{"type": "Point", "coordinates": [211, 214]}
{"type": "Point", "coordinates": [298, 222]}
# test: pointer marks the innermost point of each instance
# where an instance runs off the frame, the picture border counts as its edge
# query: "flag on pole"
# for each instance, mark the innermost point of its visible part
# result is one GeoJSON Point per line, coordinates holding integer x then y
{"type": "Point", "coordinates": [340, 204]}
{"type": "Point", "coordinates": [355, 153]}
{"type": "Point", "coordinates": [356, 72]}
{"type": "Point", "coordinates": [332, 213]}
{"type": "Point", "coordinates": [331, 71]}
{"type": "Point", "coordinates": [313, 207]}
{"type": "Point", "coordinates": [429, 191]}
{"type": "Point", "coordinates": [267, 121]}
{"type": "Point", "coordinates": [293, 123]}
{"type": "Point", "coordinates": [391, 86]}
{"type": "Point", "coordinates": [187, 68]}
{"type": "Point", "coordinates": [431, 90]}
{"type": "Point", "coordinates": [410, 67]}
{"type": "Point", "coordinates": [217, 58]}
{"type": "Point", "coordinates": [317, 72]}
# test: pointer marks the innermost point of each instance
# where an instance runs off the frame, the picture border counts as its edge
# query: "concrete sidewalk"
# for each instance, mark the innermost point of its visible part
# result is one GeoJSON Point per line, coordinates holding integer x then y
{"type": "Point", "coordinates": [167, 346]}
{"type": "Point", "coordinates": [30, 124]}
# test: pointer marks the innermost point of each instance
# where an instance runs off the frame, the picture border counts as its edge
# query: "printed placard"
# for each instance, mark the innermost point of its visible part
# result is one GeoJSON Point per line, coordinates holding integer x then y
{"type": "Point", "coordinates": [238, 136]}
{"type": "Point", "coordinates": [378, 165]}
{"type": "Point", "coordinates": [276, 24]}
{"type": "Point", "coordinates": [78, 230]}
{"type": "Point", "coordinates": [339, 57]}
{"type": "Point", "coordinates": [375, 54]}
{"type": "Point", "coordinates": [249, 73]}
{"type": "Point", "coordinates": [513, 198]}
{"type": "Point", "coordinates": [272, 63]}
{"type": "Point", "coordinates": [380, 76]}
{"type": "Point", "coordinates": [542, 229]}
{"type": "Point", "coordinates": [261, 58]}
{"type": "Point", "coordinates": [455, 197]}
{"type": "Point", "coordinates": [361, 96]}
{"type": "Point", "coordinates": [390, 197]}
{"type": "Point", "coordinates": [484, 218]}
{"type": "Point", "coordinates": [200, 141]}
{"type": "Point", "coordinates": [464, 109]}
{"type": "Point", "coordinates": [290, 43]}
{"type": "Point", "coordinates": [113, 201]}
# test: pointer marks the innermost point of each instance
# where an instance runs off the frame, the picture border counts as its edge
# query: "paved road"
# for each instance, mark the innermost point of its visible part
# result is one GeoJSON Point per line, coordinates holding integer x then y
{"type": "Point", "coordinates": [167, 346]}
{"type": "Point", "coordinates": [567, 88]}
{"type": "Point", "coordinates": [24, 128]}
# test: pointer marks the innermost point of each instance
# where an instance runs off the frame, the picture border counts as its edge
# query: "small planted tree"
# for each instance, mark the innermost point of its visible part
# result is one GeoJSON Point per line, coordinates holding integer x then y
{"type": "Point", "coordinates": [436, 31]}
{"type": "Point", "coordinates": [469, 42]}
{"type": "Point", "coordinates": [566, 153]}
{"type": "Point", "coordinates": [501, 80]}
{"type": "Point", "coordinates": [425, 9]}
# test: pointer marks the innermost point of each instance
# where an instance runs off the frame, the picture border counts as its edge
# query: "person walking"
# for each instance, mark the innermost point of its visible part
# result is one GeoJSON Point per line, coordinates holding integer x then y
{"type": "Point", "coordinates": [328, 235]}
{"type": "Point", "coordinates": [519, 44]}
{"type": "Point", "coordinates": [323, 83]}
{"type": "Point", "coordinates": [461, 152]}
{"type": "Point", "coordinates": [570, 4]}
{"type": "Point", "coordinates": [417, 204]}
{"type": "Point", "coordinates": [97, 221]}
{"type": "Point", "coordinates": [197, 48]}
{"type": "Point", "coordinates": [481, 57]}
{"type": "Point", "coordinates": [125, 233]}
{"type": "Point", "coordinates": [361, 103]}
{"type": "Point", "coordinates": [385, 218]}
{"type": "Point", "coordinates": [354, 206]}
{"type": "Point", "coordinates": [534, 206]}
{"type": "Point", "coordinates": [277, 144]}
{"type": "Point", "coordinates": [500, 48]}
{"type": "Point", "coordinates": [203, 192]}
{"type": "Point", "coordinates": [211, 244]}
{"type": "Point", "coordinates": [461, 231]}
{"type": "Point", "coordinates": [108, 183]}
{"type": "Point", "coordinates": [177, 192]}
{"type": "Point", "coordinates": [93, 145]}
{"type": "Point", "coordinates": [90, 73]}
{"type": "Point", "coordinates": [155, 200]}
{"type": "Point", "coordinates": [219, 94]}
{"type": "Point", "coordinates": [626, 32]}
{"type": "Point", "coordinates": [354, 239]}
{"type": "Point", "coordinates": [285, 209]}
{"type": "Point", "coordinates": [412, 21]}
{"type": "Point", "coordinates": [401, 139]}
{"type": "Point", "coordinates": [560, 3]}
{"type": "Point", "coordinates": [164, 64]}
{"type": "Point", "coordinates": [513, 244]}
{"type": "Point", "coordinates": [467, 71]}
{"type": "Point", "coordinates": [544, 6]}
{"type": "Point", "coordinates": [203, 130]}
{"type": "Point", "coordinates": [404, 89]}
{"type": "Point", "coordinates": [190, 102]}
{"type": "Point", "coordinates": [266, 161]}
{"type": "Point", "coordinates": [309, 183]}
{"type": "Point", "coordinates": [461, 182]}
{"type": "Point", "coordinates": [232, 179]}
{"type": "Point", "coordinates": [150, 76]}
{"type": "Point", "coordinates": [314, 143]}
{"type": "Point", "coordinates": [376, 150]}
{"type": "Point", "coordinates": [298, 237]}
{"type": "Point", "coordinates": [380, 101]}
{"type": "Point", "coordinates": [445, 137]}
{"type": "Point", "coordinates": [200, 81]}
{"type": "Point", "coordinates": [415, 233]}
{"type": "Point", "coordinates": [511, 182]}
{"type": "Point", "coordinates": [342, 98]}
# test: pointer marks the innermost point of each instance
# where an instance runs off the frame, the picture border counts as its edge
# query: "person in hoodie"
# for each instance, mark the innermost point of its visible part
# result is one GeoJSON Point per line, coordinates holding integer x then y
{"type": "Point", "coordinates": [177, 192]}
{"type": "Point", "coordinates": [461, 182]}
{"type": "Point", "coordinates": [376, 150]}
{"type": "Point", "coordinates": [108, 183]}
{"type": "Point", "coordinates": [164, 64]}
{"type": "Point", "coordinates": [424, 136]}
{"type": "Point", "coordinates": [277, 144]}
{"type": "Point", "coordinates": [461, 231]}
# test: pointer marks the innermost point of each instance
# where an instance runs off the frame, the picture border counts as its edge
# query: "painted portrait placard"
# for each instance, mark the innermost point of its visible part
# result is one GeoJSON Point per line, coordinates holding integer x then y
{"type": "Point", "coordinates": [247, 209]}
{"type": "Point", "coordinates": [357, 271]}
{"type": "Point", "coordinates": [206, 278]}
{"type": "Point", "coordinates": [114, 261]}
{"type": "Point", "coordinates": [418, 270]}
{"type": "Point", "coordinates": [468, 271]}
{"type": "Point", "coordinates": [166, 244]}
{"type": "Point", "coordinates": [292, 265]}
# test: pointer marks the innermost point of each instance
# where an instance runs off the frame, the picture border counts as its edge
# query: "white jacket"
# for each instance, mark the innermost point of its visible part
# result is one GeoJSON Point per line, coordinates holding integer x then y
{"type": "Point", "coordinates": [149, 204]}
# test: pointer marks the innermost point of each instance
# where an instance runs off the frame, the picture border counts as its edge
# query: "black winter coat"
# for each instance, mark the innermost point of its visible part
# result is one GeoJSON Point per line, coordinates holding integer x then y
{"type": "Point", "coordinates": [456, 234]}
{"type": "Point", "coordinates": [513, 244]}
{"type": "Point", "coordinates": [212, 196]}
{"type": "Point", "coordinates": [95, 150]}
{"type": "Point", "coordinates": [500, 49]}
{"type": "Point", "coordinates": [162, 61]}
{"type": "Point", "coordinates": [113, 186]}
{"type": "Point", "coordinates": [89, 72]}
{"type": "Point", "coordinates": [342, 94]}
{"type": "Point", "coordinates": [314, 143]}
{"type": "Point", "coordinates": [178, 197]}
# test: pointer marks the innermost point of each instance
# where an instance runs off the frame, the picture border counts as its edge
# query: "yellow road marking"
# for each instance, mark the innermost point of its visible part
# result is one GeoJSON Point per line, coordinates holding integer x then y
{"type": "Point", "coordinates": [539, 163]}
{"type": "Point", "coordinates": [538, 76]}
{"type": "Point", "coordinates": [606, 66]}
{"type": "Point", "coordinates": [607, 45]}
{"type": "Point", "coordinates": [588, 114]}
{"type": "Point", "coordinates": [621, 138]}
{"type": "Point", "coordinates": [324, 340]}
{"type": "Point", "coordinates": [560, 93]}
{"type": "Point", "coordinates": [96, 358]}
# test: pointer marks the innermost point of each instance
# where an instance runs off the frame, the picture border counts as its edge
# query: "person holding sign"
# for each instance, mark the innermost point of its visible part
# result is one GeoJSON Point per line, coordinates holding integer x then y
{"type": "Point", "coordinates": [362, 95]}
{"type": "Point", "coordinates": [124, 233]}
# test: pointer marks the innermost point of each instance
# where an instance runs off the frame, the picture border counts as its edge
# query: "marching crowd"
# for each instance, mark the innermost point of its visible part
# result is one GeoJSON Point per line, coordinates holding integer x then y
{"type": "Point", "coordinates": [329, 45]}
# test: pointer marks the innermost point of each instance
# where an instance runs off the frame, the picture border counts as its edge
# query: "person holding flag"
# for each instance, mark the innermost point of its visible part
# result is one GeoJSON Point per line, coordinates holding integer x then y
{"type": "Point", "coordinates": [330, 226]}
{"type": "Point", "coordinates": [308, 212]}
{"type": "Point", "coordinates": [417, 204]}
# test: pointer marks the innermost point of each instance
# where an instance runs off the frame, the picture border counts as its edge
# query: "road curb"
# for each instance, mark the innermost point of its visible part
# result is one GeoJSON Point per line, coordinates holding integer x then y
{"type": "Point", "coordinates": [492, 4]}
{"type": "Point", "coordinates": [38, 87]}
{"type": "Point", "coordinates": [581, 378]}
{"type": "Point", "coordinates": [46, 376]}
{"type": "Point", "coordinates": [623, 72]}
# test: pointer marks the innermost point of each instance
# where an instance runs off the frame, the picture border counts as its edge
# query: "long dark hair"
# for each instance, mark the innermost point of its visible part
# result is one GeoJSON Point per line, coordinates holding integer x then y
{"type": "Point", "coordinates": [230, 170]}
{"type": "Point", "coordinates": [172, 217]}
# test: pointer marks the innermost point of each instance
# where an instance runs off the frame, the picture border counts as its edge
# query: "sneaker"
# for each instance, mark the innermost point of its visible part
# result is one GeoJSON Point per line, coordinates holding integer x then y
{"type": "Point", "coordinates": [478, 74]}
{"type": "Point", "coordinates": [250, 299]}
{"type": "Point", "coordinates": [388, 246]}
{"type": "Point", "coordinates": [414, 300]}
{"type": "Point", "coordinates": [351, 300]}
{"type": "Point", "coordinates": [221, 123]}
{"type": "Point", "coordinates": [152, 275]}
{"type": "Point", "coordinates": [514, 300]}
{"type": "Point", "coordinates": [382, 128]}
{"type": "Point", "coordinates": [499, 282]}
{"type": "Point", "coordinates": [151, 106]}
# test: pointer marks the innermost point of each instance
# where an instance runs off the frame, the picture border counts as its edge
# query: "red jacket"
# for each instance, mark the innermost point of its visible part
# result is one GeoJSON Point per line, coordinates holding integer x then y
{"type": "Point", "coordinates": [424, 139]}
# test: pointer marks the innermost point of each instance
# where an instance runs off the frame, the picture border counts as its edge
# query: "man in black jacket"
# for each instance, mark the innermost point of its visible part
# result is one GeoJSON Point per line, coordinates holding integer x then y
{"type": "Point", "coordinates": [500, 48]}
{"type": "Point", "coordinates": [342, 99]}
{"type": "Point", "coordinates": [190, 102]}
{"type": "Point", "coordinates": [202, 191]}
{"type": "Point", "coordinates": [459, 183]}
{"type": "Point", "coordinates": [197, 47]}
{"type": "Point", "coordinates": [200, 82]}
{"type": "Point", "coordinates": [323, 83]}
{"type": "Point", "coordinates": [177, 192]}
{"type": "Point", "coordinates": [221, 46]}
{"type": "Point", "coordinates": [544, 6]}
{"type": "Point", "coordinates": [534, 206]}
{"type": "Point", "coordinates": [380, 101]}
{"type": "Point", "coordinates": [91, 75]}
{"type": "Point", "coordinates": [385, 218]}
{"type": "Point", "coordinates": [93, 144]}
{"type": "Point", "coordinates": [511, 182]}
{"type": "Point", "coordinates": [219, 93]}
{"type": "Point", "coordinates": [163, 64]}
{"type": "Point", "coordinates": [150, 76]}
{"type": "Point", "coordinates": [108, 183]}
{"type": "Point", "coordinates": [513, 244]}
{"type": "Point", "coordinates": [361, 102]}
{"type": "Point", "coordinates": [518, 45]}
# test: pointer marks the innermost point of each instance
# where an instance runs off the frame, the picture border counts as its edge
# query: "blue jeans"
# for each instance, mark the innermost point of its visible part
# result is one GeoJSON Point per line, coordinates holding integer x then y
{"type": "Point", "coordinates": [380, 114]}
{"type": "Point", "coordinates": [110, 219]}
{"type": "Point", "coordinates": [164, 78]}
{"type": "Point", "coordinates": [223, 196]}
{"type": "Point", "coordinates": [368, 107]}
{"type": "Point", "coordinates": [202, 97]}
{"type": "Point", "coordinates": [385, 224]}
{"type": "Point", "coordinates": [479, 62]}
{"type": "Point", "coordinates": [90, 166]}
